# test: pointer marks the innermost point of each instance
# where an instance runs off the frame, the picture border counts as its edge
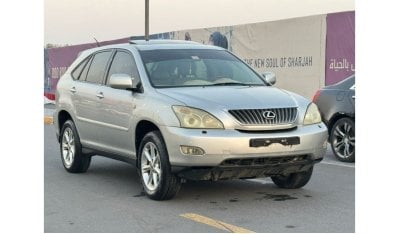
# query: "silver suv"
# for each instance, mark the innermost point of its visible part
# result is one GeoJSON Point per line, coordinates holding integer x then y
{"type": "Point", "coordinates": [184, 111]}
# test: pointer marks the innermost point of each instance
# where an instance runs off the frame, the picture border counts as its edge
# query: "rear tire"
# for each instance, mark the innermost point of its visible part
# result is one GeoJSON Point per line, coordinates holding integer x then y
{"type": "Point", "coordinates": [343, 140]}
{"type": "Point", "coordinates": [294, 180]}
{"type": "Point", "coordinates": [155, 170]}
{"type": "Point", "coordinates": [73, 159]}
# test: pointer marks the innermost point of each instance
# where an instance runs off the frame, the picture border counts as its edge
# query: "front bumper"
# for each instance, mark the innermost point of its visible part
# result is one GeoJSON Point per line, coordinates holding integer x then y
{"type": "Point", "coordinates": [248, 168]}
{"type": "Point", "coordinates": [224, 144]}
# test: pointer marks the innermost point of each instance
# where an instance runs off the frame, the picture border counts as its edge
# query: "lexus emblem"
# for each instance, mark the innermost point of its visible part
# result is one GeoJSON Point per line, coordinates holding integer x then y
{"type": "Point", "coordinates": [269, 114]}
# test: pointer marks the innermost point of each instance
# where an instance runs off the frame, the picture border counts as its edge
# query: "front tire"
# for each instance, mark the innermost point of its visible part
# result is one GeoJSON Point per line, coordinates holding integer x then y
{"type": "Point", "coordinates": [294, 180]}
{"type": "Point", "coordinates": [155, 170]}
{"type": "Point", "coordinates": [73, 159]}
{"type": "Point", "coordinates": [343, 140]}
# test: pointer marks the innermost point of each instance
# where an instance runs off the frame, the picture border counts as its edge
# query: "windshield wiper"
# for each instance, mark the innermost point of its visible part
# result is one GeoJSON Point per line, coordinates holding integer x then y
{"type": "Point", "coordinates": [229, 83]}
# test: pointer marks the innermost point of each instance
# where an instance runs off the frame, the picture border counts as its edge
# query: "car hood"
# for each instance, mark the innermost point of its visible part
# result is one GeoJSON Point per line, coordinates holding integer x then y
{"type": "Point", "coordinates": [232, 97]}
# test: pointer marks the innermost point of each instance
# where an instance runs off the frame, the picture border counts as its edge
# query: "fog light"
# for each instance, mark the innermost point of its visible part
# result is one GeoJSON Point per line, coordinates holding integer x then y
{"type": "Point", "coordinates": [192, 150]}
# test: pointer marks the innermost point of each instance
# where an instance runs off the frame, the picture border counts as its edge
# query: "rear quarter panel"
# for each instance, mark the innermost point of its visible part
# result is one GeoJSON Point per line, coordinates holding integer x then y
{"type": "Point", "coordinates": [332, 103]}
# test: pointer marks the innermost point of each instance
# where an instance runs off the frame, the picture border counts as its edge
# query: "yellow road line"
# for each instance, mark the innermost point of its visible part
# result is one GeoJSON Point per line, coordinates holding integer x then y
{"type": "Point", "coordinates": [48, 120]}
{"type": "Point", "coordinates": [215, 223]}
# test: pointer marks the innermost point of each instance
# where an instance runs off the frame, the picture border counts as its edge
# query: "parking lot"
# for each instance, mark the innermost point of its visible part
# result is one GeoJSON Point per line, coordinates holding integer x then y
{"type": "Point", "coordinates": [109, 198]}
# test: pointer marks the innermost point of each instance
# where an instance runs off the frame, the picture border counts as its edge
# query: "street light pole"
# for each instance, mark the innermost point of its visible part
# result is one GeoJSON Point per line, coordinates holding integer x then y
{"type": "Point", "coordinates": [146, 23]}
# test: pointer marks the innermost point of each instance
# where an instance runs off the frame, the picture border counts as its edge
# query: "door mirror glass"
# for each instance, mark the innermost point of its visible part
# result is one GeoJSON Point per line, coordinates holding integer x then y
{"type": "Point", "coordinates": [122, 81]}
{"type": "Point", "coordinates": [270, 77]}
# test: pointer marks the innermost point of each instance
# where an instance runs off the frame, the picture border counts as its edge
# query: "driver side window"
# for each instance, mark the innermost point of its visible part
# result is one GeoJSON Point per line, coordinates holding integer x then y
{"type": "Point", "coordinates": [123, 63]}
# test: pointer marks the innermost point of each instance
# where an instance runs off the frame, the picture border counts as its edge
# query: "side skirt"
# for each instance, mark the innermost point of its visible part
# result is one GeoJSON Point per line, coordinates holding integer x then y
{"type": "Point", "coordinates": [92, 152]}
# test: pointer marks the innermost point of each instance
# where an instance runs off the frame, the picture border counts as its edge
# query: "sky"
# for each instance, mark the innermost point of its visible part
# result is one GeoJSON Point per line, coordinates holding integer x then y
{"type": "Point", "coordinates": [78, 21]}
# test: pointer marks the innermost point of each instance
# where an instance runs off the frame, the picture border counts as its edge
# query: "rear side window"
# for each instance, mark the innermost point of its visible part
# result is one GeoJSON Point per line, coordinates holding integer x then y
{"type": "Point", "coordinates": [85, 70]}
{"type": "Point", "coordinates": [123, 63]}
{"type": "Point", "coordinates": [98, 67]}
{"type": "Point", "coordinates": [78, 70]}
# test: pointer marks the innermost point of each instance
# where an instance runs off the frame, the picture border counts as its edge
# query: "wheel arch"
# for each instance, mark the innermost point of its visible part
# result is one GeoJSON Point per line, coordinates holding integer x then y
{"type": "Point", "coordinates": [142, 128]}
{"type": "Point", "coordinates": [62, 117]}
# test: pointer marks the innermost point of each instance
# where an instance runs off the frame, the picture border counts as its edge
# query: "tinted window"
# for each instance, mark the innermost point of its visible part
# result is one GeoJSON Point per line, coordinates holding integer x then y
{"type": "Point", "coordinates": [123, 63]}
{"type": "Point", "coordinates": [86, 69]}
{"type": "Point", "coordinates": [98, 67]}
{"type": "Point", "coordinates": [185, 67]}
{"type": "Point", "coordinates": [78, 70]}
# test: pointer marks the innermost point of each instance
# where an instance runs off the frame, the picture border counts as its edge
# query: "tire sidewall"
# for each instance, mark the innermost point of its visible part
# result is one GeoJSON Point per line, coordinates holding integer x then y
{"type": "Point", "coordinates": [294, 180]}
{"type": "Point", "coordinates": [156, 138]}
{"type": "Point", "coordinates": [78, 147]}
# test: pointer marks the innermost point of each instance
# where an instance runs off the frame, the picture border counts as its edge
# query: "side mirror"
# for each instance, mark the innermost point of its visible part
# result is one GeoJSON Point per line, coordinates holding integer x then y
{"type": "Point", "coordinates": [270, 77]}
{"type": "Point", "coordinates": [123, 81]}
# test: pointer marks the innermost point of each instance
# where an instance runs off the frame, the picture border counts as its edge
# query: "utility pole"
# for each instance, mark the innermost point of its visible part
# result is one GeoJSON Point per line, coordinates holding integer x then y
{"type": "Point", "coordinates": [146, 21]}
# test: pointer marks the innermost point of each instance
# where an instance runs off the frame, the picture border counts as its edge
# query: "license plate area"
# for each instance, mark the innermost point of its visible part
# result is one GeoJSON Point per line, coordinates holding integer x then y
{"type": "Point", "coordinates": [263, 142]}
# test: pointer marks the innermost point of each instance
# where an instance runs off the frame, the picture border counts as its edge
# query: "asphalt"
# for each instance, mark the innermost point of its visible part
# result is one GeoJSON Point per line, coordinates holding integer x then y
{"type": "Point", "coordinates": [48, 113]}
{"type": "Point", "coordinates": [109, 198]}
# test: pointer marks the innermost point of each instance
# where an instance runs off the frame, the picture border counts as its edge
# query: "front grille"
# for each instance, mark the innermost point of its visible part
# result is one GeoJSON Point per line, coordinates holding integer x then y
{"type": "Point", "coordinates": [258, 116]}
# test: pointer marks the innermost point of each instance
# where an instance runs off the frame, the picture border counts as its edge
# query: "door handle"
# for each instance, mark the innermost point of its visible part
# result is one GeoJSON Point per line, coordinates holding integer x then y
{"type": "Point", "coordinates": [73, 90]}
{"type": "Point", "coordinates": [100, 95]}
{"type": "Point", "coordinates": [354, 97]}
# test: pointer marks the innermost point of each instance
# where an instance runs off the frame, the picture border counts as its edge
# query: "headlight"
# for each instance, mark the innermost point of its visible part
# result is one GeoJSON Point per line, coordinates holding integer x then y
{"type": "Point", "coordinates": [196, 118]}
{"type": "Point", "coordinates": [312, 115]}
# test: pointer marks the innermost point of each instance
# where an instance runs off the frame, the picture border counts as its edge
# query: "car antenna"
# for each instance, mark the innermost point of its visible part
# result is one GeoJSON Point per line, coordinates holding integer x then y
{"type": "Point", "coordinates": [98, 44]}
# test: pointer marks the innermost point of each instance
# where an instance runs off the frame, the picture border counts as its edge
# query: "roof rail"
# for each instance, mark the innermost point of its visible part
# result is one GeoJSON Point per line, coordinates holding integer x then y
{"type": "Point", "coordinates": [160, 41]}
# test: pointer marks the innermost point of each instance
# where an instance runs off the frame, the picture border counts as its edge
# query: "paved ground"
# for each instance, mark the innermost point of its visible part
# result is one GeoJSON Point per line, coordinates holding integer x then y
{"type": "Point", "coordinates": [49, 109]}
{"type": "Point", "coordinates": [109, 198]}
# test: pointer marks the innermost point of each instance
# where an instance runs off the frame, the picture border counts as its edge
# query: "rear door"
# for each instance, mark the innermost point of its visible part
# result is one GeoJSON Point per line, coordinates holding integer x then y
{"type": "Point", "coordinates": [118, 107]}
{"type": "Point", "coordinates": [87, 97]}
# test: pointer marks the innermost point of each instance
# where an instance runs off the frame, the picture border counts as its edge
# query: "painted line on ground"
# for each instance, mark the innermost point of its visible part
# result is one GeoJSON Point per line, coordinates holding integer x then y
{"type": "Point", "coordinates": [215, 223]}
{"type": "Point", "coordinates": [48, 120]}
{"type": "Point", "coordinates": [338, 164]}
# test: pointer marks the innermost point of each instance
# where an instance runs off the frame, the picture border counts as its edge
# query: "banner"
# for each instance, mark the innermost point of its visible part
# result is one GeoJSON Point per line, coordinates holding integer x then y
{"type": "Point", "coordinates": [293, 49]}
{"type": "Point", "coordinates": [340, 46]}
{"type": "Point", "coordinates": [305, 53]}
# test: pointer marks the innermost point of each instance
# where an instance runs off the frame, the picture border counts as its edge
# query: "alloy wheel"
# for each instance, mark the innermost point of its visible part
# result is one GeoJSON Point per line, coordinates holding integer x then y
{"type": "Point", "coordinates": [150, 166]}
{"type": "Point", "coordinates": [344, 139]}
{"type": "Point", "coordinates": [68, 147]}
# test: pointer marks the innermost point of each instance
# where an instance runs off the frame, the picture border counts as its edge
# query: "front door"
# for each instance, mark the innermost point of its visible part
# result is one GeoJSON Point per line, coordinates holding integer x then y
{"type": "Point", "coordinates": [118, 108]}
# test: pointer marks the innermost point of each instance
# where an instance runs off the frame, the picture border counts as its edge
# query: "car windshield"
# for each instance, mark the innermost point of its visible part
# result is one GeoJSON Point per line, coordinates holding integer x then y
{"type": "Point", "coordinates": [197, 67]}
